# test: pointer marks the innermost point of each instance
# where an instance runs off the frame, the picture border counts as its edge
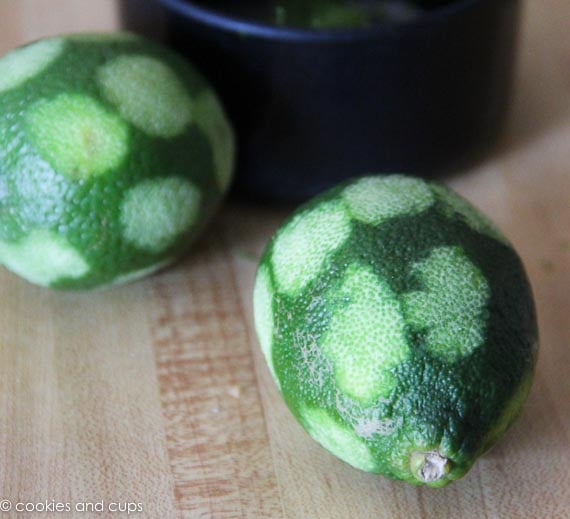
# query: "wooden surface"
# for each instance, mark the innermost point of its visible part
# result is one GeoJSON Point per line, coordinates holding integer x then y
{"type": "Point", "coordinates": [156, 393]}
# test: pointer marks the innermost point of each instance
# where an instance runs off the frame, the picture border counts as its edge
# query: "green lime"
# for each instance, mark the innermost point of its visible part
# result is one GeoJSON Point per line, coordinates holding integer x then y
{"type": "Point", "coordinates": [114, 154]}
{"type": "Point", "coordinates": [399, 326]}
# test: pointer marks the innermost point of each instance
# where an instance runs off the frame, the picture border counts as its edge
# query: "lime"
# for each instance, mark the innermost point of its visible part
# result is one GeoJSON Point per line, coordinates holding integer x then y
{"type": "Point", "coordinates": [399, 326]}
{"type": "Point", "coordinates": [114, 154]}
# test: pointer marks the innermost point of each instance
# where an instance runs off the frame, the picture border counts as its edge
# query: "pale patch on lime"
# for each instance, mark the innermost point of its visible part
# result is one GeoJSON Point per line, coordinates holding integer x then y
{"type": "Point", "coordinates": [77, 136]}
{"type": "Point", "coordinates": [455, 204]}
{"type": "Point", "coordinates": [451, 306]}
{"type": "Point", "coordinates": [147, 93]}
{"type": "Point", "coordinates": [141, 273]}
{"type": "Point", "coordinates": [303, 246]}
{"type": "Point", "coordinates": [24, 63]}
{"type": "Point", "coordinates": [43, 258]}
{"type": "Point", "coordinates": [212, 120]}
{"type": "Point", "coordinates": [368, 428]}
{"type": "Point", "coordinates": [341, 441]}
{"type": "Point", "coordinates": [263, 315]}
{"type": "Point", "coordinates": [156, 212]}
{"type": "Point", "coordinates": [373, 200]}
{"type": "Point", "coordinates": [366, 338]}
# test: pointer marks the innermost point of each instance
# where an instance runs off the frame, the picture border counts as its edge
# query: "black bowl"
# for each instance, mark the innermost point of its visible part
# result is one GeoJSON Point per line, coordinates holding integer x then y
{"type": "Point", "coordinates": [313, 107]}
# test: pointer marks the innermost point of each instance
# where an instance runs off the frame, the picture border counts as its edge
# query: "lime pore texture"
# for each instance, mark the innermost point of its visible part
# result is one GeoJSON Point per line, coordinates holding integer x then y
{"type": "Point", "coordinates": [114, 153]}
{"type": "Point", "coordinates": [399, 326]}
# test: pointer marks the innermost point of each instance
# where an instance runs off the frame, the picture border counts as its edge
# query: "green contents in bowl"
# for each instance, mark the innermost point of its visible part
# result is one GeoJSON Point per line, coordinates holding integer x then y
{"type": "Point", "coordinates": [327, 14]}
{"type": "Point", "coordinates": [330, 14]}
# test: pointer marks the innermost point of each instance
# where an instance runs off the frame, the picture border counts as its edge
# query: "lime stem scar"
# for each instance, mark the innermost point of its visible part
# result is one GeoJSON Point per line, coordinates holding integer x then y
{"type": "Point", "coordinates": [429, 467]}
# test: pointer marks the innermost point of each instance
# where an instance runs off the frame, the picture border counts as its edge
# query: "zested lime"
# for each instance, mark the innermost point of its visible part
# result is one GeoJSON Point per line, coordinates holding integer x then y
{"type": "Point", "coordinates": [399, 326]}
{"type": "Point", "coordinates": [114, 154]}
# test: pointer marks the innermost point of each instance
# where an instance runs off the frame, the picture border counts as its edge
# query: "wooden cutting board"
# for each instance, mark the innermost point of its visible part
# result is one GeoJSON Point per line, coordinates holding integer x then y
{"type": "Point", "coordinates": [156, 393]}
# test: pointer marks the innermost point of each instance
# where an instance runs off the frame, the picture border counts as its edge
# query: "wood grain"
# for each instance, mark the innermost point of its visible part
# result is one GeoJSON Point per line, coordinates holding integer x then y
{"type": "Point", "coordinates": [217, 441]}
{"type": "Point", "coordinates": [26, 20]}
{"type": "Point", "coordinates": [157, 392]}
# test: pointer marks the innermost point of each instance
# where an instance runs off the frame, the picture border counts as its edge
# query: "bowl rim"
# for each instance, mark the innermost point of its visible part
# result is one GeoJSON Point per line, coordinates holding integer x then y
{"type": "Point", "coordinates": [231, 23]}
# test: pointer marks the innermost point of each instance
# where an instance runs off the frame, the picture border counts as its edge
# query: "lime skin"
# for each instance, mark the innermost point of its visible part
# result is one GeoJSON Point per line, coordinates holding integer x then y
{"type": "Point", "coordinates": [399, 325]}
{"type": "Point", "coordinates": [114, 154]}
